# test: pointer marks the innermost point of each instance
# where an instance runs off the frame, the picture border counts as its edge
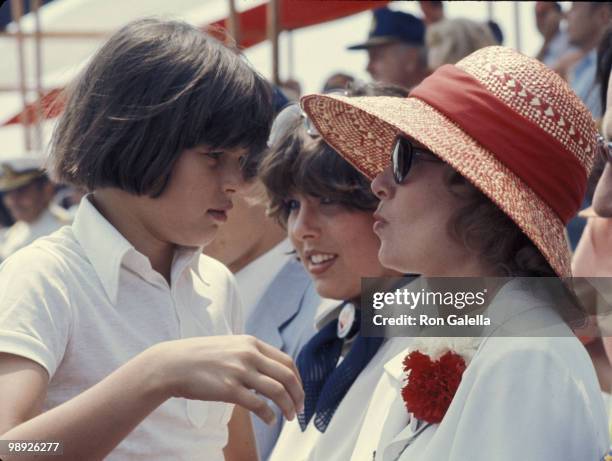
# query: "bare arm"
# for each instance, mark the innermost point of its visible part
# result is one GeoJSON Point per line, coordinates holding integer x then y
{"type": "Point", "coordinates": [241, 445]}
{"type": "Point", "coordinates": [222, 368]}
{"type": "Point", "coordinates": [90, 425]}
{"type": "Point", "coordinates": [23, 386]}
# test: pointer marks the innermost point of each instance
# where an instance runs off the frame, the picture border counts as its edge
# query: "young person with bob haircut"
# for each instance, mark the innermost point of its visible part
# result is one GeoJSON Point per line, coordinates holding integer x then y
{"type": "Point", "coordinates": [326, 206]}
{"type": "Point", "coordinates": [477, 173]}
{"type": "Point", "coordinates": [118, 339]}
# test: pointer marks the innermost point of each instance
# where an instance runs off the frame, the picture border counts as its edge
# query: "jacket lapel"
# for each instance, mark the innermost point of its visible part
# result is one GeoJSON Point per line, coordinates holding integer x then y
{"type": "Point", "coordinates": [279, 304]}
{"type": "Point", "coordinates": [400, 429]}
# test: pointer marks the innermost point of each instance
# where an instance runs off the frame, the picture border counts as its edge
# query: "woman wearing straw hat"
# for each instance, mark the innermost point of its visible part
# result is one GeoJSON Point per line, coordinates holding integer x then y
{"type": "Point", "coordinates": [477, 173]}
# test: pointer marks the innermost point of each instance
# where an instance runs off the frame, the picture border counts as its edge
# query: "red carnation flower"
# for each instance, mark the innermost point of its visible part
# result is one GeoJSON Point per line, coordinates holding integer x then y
{"type": "Point", "coordinates": [431, 384]}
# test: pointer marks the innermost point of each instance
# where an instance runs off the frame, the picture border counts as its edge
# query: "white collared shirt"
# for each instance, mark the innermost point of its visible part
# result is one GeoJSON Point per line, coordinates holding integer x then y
{"type": "Point", "coordinates": [83, 301]}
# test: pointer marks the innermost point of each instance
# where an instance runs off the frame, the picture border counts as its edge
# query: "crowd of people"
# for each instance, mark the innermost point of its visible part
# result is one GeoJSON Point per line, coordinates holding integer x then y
{"type": "Point", "coordinates": [150, 325]}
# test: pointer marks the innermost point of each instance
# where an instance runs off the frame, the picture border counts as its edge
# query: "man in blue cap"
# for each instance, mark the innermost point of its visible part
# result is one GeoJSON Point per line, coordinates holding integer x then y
{"type": "Point", "coordinates": [396, 48]}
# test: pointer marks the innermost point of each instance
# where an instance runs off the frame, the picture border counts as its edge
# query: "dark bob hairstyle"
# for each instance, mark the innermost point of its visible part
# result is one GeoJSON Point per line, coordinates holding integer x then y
{"type": "Point", "coordinates": [153, 90]}
{"type": "Point", "coordinates": [306, 164]}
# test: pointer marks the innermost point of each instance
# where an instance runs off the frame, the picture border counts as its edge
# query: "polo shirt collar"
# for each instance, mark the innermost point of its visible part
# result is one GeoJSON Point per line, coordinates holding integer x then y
{"type": "Point", "coordinates": [106, 248]}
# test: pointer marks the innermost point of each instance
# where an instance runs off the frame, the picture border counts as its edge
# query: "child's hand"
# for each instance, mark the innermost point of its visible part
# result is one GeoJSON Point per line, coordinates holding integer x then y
{"type": "Point", "coordinates": [227, 369]}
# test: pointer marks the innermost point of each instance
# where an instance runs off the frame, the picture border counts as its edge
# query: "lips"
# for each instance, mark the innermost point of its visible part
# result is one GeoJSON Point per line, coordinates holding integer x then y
{"type": "Point", "coordinates": [318, 262]}
{"type": "Point", "coordinates": [379, 222]}
{"type": "Point", "coordinates": [378, 214]}
{"type": "Point", "coordinates": [217, 215]}
{"type": "Point", "coordinates": [220, 214]}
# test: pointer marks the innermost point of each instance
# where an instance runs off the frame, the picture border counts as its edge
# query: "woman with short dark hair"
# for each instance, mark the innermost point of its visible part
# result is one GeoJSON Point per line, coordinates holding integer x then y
{"type": "Point", "coordinates": [326, 206]}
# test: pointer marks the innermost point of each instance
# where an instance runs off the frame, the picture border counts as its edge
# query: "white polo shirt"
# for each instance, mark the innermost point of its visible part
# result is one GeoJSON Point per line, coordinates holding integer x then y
{"type": "Point", "coordinates": [83, 301]}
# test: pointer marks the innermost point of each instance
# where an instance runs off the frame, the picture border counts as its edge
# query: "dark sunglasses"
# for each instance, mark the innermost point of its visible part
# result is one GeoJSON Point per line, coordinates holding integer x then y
{"type": "Point", "coordinates": [403, 155]}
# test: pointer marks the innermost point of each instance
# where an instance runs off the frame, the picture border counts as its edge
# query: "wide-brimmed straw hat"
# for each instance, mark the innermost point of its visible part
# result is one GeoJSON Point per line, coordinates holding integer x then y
{"type": "Point", "coordinates": [506, 122]}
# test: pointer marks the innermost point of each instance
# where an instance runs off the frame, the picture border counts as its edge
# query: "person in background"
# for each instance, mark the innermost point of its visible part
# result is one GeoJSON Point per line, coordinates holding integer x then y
{"type": "Point", "coordinates": [337, 81]}
{"type": "Point", "coordinates": [6, 220]}
{"type": "Point", "coordinates": [496, 30]}
{"type": "Point", "coordinates": [246, 235]}
{"type": "Point", "coordinates": [586, 24]}
{"type": "Point", "coordinates": [597, 242]}
{"type": "Point", "coordinates": [396, 48]}
{"type": "Point", "coordinates": [27, 194]}
{"type": "Point", "coordinates": [433, 12]}
{"type": "Point", "coordinates": [278, 296]}
{"type": "Point", "coordinates": [593, 256]}
{"type": "Point", "coordinates": [291, 88]}
{"type": "Point", "coordinates": [548, 17]}
{"type": "Point", "coordinates": [451, 40]}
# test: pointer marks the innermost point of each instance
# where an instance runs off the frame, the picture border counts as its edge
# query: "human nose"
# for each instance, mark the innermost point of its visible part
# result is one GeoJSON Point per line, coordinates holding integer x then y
{"type": "Point", "coordinates": [383, 184]}
{"type": "Point", "coordinates": [233, 180]}
{"type": "Point", "coordinates": [303, 224]}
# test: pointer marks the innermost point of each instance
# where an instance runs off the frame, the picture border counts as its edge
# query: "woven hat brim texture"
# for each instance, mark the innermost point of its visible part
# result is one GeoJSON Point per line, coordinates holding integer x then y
{"type": "Point", "coordinates": [364, 129]}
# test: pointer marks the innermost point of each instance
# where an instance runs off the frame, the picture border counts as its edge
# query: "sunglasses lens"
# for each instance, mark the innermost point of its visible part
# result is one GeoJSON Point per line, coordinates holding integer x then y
{"type": "Point", "coordinates": [401, 160]}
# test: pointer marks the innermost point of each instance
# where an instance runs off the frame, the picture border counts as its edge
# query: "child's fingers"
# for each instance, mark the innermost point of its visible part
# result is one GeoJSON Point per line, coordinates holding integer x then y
{"type": "Point", "coordinates": [255, 404]}
{"type": "Point", "coordinates": [275, 391]}
{"type": "Point", "coordinates": [274, 353]}
{"type": "Point", "coordinates": [286, 376]}
{"type": "Point", "coordinates": [279, 356]}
